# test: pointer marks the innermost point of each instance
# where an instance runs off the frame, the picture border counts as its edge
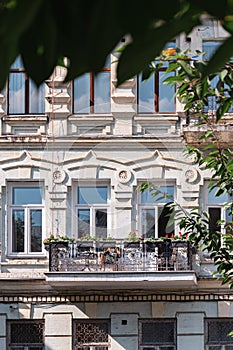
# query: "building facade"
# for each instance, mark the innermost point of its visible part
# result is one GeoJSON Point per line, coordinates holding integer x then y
{"type": "Point", "coordinates": [72, 156]}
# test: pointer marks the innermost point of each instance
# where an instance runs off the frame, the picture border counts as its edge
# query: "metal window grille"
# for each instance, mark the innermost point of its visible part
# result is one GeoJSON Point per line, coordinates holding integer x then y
{"type": "Point", "coordinates": [91, 335]}
{"type": "Point", "coordinates": [25, 335]}
{"type": "Point", "coordinates": [159, 334]}
{"type": "Point", "coordinates": [216, 332]}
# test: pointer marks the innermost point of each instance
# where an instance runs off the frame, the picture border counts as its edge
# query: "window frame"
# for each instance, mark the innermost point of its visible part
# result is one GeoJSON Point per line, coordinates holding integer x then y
{"type": "Point", "coordinates": [153, 206]}
{"type": "Point", "coordinates": [92, 207]}
{"type": "Point", "coordinates": [215, 205]}
{"type": "Point", "coordinates": [91, 105]}
{"type": "Point", "coordinates": [27, 92]}
{"type": "Point", "coordinates": [156, 95]}
{"type": "Point", "coordinates": [26, 208]}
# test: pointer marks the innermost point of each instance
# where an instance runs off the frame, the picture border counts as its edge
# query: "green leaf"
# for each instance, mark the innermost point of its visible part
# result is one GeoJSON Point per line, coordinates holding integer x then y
{"type": "Point", "coordinates": [221, 55]}
{"type": "Point", "coordinates": [147, 48]}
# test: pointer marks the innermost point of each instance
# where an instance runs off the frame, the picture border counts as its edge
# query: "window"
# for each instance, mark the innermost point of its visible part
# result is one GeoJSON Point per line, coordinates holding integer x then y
{"type": "Point", "coordinates": [26, 219]}
{"type": "Point", "coordinates": [153, 95]}
{"type": "Point", "coordinates": [216, 334]}
{"type": "Point", "coordinates": [92, 210]}
{"type": "Point", "coordinates": [155, 214]}
{"type": "Point", "coordinates": [91, 94]}
{"type": "Point", "coordinates": [25, 335]}
{"type": "Point", "coordinates": [91, 335]}
{"type": "Point", "coordinates": [23, 95]}
{"type": "Point", "coordinates": [216, 209]}
{"type": "Point", "coordinates": [209, 47]}
{"type": "Point", "coordinates": [157, 334]}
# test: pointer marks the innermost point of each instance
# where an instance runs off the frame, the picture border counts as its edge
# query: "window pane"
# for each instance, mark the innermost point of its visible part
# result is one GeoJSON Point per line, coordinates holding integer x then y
{"type": "Point", "coordinates": [18, 63]}
{"type": "Point", "coordinates": [148, 223]}
{"type": "Point", "coordinates": [146, 95]}
{"type": "Point", "coordinates": [16, 98]}
{"type": "Point", "coordinates": [102, 93]}
{"type": "Point", "coordinates": [215, 216]}
{"type": "Point", "coordinates": [164, 227]}
{"type": "Point", "coordinates": [37, 98]}
{"type": "Point", "coordinates": [92, 195]}
{"type": "Point", "coordinates": [101, 223]}
{"type": "Point", "coordinates": [217, 199]}
{"type": "Point", "coordinates": [36, 230]}
{"type": "Point", "coordinates": [82, 94]}
{"type": "Point", "coordinates": [18, 231]}
{"type": "Point", "coordinates": [147, 197]}
{"type": "Point", "coordinates": [83, 222]}
{"type": "Point", "coordinates": [27, 195]}
{"type": "Point", "coordinates": [166, 94]}
{"type": "Point", "coordinates": [210, 47]}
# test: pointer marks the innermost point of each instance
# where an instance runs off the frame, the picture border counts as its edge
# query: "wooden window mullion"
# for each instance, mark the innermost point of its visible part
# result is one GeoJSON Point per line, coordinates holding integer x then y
{"type": "Point", "coordinates": [156, 93]}
{"type": "Point", "coordinates": [92, 93]}
{"type": "Point", "coordinates": [27, 94]}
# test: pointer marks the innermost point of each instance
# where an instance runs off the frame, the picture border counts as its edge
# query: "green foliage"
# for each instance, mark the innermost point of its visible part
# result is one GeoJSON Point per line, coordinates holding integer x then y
{"type": "Point", "coordinates": [194, 87]}
{"type": "Point", "coordinates": [44, 32]}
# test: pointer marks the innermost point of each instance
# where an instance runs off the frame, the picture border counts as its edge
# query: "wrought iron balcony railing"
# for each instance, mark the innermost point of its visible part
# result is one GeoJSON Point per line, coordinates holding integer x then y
{"type": "Point", "coordinates": [106, 256]}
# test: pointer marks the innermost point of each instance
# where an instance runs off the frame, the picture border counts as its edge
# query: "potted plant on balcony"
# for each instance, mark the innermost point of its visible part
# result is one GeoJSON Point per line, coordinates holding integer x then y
{"type": "Point", "coordinates": [133, 240]}
{"type": "Point", "coordinates": [52, 239]}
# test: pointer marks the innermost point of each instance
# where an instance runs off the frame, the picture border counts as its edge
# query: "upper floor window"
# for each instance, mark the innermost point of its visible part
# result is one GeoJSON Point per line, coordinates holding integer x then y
{"type": "Point", "coordinates": [92, 210]}
{"type": "Point", "coordinates": [153, 95]}
{"type": "Point", "coordinates": [154, 214]}
{"type": "Point", "coordinates": [26, 219]}
{"type": "Point", "coordinates": [209, 47]}
{"type": "Point", "coordinates": [91, 93]}
{"type": "Point", "coordinates": [23, 95]}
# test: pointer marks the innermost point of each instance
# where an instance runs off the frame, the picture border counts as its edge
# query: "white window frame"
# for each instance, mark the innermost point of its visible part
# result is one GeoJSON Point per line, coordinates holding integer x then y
{"type": "Point", "coordinates": [26, 208]}
{"type": "Point", "coordinates": [152, 206]}
{"type": "Point", "coordinates": [214, 205]}
{"type": "Point", "coordinates": [91, 207]}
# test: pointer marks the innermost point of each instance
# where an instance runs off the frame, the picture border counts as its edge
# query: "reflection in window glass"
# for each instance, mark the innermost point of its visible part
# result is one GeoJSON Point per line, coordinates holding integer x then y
{"type": "Point", "coordinates": [102, 93]}
{"type": "Point", "coordinates": [148, 223]}
{"type": "Point", "coordinates": [82, 94]}
{"type": "Point", "coordinates": [16, 93]}
{"type": "Point", "coordinates": [164, 192]}
{"type": "Point", "coordinates": [37, 103]}
{"type": "Point", "coordinates": [166, 95]}
{"type": "Point", "coordinates": [83, 222]}
{"type": "Point", "coordinates": [36, 230]}
{"type": "Point", "coordinates": [210, 47]}
{"type": "Point", "coordinates": [146, 103]}
{"type": "Point", "coordinates": [101, 223]}
{"type": "Point", "coordinates": [27, 195]}
{"type": "Point", "coordinates": [23, 95]}
{"type": "Point", "coordinates": [18, 231]}
{"type": "Point", "coordinates": [92, 195]}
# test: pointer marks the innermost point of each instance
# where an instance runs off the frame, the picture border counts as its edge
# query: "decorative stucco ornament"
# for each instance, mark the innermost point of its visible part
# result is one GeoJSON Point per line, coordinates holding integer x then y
{"type": "Point", "coordinates": [191, 175]}
{"type": "Point", "coordinates": [59, 176]}
{"type": "Point", "coordinates": [124, 175]}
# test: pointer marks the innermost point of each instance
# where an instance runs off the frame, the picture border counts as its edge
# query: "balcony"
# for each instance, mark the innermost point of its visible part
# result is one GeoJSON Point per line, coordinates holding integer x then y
{"type": "Point", "coordinates": [118, 264]}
